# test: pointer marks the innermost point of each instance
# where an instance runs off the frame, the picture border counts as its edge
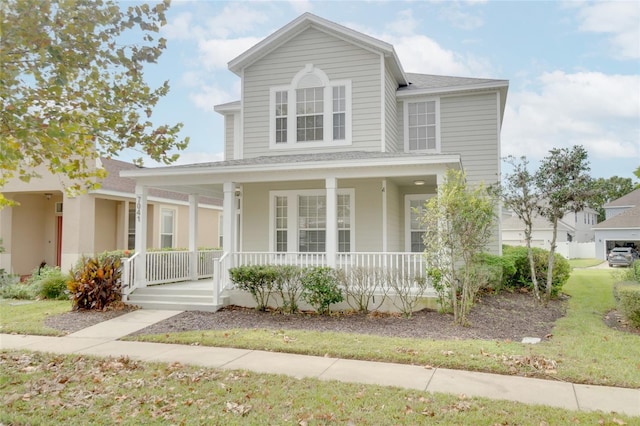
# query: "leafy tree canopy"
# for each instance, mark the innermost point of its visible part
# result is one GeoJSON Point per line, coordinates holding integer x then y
{"type": "Point", "coordinates": [72, 88]}
{"type": "Point", "coordinates": [607, 190]}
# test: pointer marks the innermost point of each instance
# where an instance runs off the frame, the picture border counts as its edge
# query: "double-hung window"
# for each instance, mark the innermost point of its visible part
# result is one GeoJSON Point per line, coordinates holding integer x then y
{"type": "Point", "coordinates": [299, 221]}
{"type": "Point", "coordinates": [167, 228]}
{"type": "Point", "coordinates": [421, 125]}
{"type": "Point", "coordinates": [282, 106]}
{"type": "Point", "coordinates": [312, 111]}
{"type": "Point", "coordinates": [309, 114]}
{"type": "Point", "coordinates": [414, 229]}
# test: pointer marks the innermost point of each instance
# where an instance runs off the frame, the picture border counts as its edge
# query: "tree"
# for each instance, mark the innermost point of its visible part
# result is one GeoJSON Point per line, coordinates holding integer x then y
{"type": "Point", "coordinates": [458, 225]}
{"type": "Point", "coordinates": [606, 190]}
{"type": "Point", "coordinates": [72, 88]}
{"type": "Point", "coordinates": [637, 173]}
{"type": "Point", "coordinates": [564, 186]}
{"type": "Point", "coordinates": [519, 194]}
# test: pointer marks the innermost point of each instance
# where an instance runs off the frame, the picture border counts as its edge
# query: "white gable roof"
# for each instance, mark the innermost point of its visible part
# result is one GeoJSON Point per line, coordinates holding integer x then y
{"type": "Point", "coordinates": [309, 20]}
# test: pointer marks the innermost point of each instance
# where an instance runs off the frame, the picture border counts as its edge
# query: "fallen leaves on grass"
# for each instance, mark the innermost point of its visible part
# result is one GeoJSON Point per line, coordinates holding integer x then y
{"type": "Point", "coordinates": [517, 363]}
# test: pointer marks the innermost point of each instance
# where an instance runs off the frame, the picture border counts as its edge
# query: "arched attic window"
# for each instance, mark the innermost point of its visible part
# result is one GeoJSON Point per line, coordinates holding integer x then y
{"type": "Point", "coordinates": [311, 111]}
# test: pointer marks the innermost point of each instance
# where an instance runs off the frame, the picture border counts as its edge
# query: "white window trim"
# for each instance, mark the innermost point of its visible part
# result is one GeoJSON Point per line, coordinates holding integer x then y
{"type": "Point", "coordinates": [406, 123]}
{"type": "Point", "coordinates": [328, 86]}
{"type": "Point", "coordinates": [292, 216]}
{"type": "Point", "coordinates": [407, 216]}
{"type": "Point", "coordinates": [174, 238]}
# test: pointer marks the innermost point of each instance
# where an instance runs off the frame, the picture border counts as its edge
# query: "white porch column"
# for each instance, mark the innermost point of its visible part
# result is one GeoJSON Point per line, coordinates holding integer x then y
{"type": "Point", "coordinates": [229, 218]}
{"type": "Point", "coordinates": [141, 235]}
{"type": "Point", "coordinates": [385, 243]}
{"type": "Point", "coordinates": [332, 222]}
{"type": "Point", "coordinates": [193, 236]}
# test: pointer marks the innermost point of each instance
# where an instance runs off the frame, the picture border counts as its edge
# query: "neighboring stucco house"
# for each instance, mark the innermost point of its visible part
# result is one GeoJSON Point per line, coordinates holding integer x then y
{"type": "Point", "coordinates": [621, 227]}
{"type": "Point", "coordinates": [331, 146]}
{"type": "Point", "coordinates": [48, 226]}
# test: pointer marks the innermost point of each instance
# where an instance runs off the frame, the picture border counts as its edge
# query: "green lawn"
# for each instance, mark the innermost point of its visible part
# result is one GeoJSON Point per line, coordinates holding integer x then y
{"type": "Point", "coordinates": [583, 349]}
{"type": "Point", "coordinates": [47, 389]}
{"type": "Point", "coordinates": [27, 316]}
{"type": "Point", "coordinates": [584, 263]}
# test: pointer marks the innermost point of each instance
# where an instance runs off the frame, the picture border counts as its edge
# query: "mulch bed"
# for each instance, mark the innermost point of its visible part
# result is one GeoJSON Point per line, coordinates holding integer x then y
{"type": "Point", "coordinates": [505, 316]}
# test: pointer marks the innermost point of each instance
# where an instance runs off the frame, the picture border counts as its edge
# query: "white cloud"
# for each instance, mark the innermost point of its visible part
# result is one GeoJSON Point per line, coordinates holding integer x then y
{"type": "Point", "coordinates": [301, 6]}
{"type": "Point", "coordinates": [180, 28]}
{"type": "Point", "coordinates": [419, 53]}
{"type": "Point", "coordinates": [461, 16]}
{"type": "Point", "coordinates": [216, 53]}
{"type": "Point", "coordinates": [235, 18]}
{"type": "Point", "coordinates": [619, 19]}
{"type": "Point", "coordinates": [596, 110]}
{"type": "Point", "coordinates": [404, 24]}
{"type": "Point", "coordinates": [209, 96]}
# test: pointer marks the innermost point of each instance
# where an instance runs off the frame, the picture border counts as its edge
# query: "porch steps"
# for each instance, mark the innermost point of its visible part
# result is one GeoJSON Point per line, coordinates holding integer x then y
{"type": "Point", "coordinates": [178, 299]}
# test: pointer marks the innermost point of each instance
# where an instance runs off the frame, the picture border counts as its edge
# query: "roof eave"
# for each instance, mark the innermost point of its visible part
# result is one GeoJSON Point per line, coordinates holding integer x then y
{"type": "Point", "coordinates": [301, 166]}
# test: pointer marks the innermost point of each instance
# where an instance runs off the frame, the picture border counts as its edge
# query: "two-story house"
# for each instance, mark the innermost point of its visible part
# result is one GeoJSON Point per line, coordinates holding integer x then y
{"type": "Point", "coordinates": [331, 147]}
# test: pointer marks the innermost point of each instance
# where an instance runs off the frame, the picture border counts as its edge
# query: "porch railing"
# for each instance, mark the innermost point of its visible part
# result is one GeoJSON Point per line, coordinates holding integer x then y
{"type": "Point", "coordinates": [175, 266]}
{"type": "Point", "coordinates": [128, 274]}
{"type": "Point", "coordinates": [408, 267]}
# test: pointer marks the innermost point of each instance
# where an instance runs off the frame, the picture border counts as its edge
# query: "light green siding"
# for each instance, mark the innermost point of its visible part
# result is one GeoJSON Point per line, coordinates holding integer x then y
{"type": "Point", "coordinates": [395, 233]}
{"type": "Point", "coordinates": [392, 142]}
{"type": "Point", "coordinates": [469, 126]}
{"type": "Point", "coordinates": [340, 60]}
{"type": "Point", "coordinates": [229, 123]}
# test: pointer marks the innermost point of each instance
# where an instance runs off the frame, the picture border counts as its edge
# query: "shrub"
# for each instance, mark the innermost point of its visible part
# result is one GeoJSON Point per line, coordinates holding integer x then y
{"type": "Point", "coordinates": [288, 284]}
{"type": "Point", "coordinates": [627, 296]}
{"type": "Point", "coordinates": [95, 284]}
{"type": "Point", "coordinates": [256, 279]}
{"type": "Point", "coordinates": [503, 269]}
{"type": "Point", "coordinates": [53, 285]}
{"type": "Point", "coordinates": [320, 288]}
{"type": "Point", "coordinates": [522, 276]}
{"type": "Point", "coordinates": [408, 290]}
{"type": "Point", "coordinates": [361, 286]}
{"type": "Point", "coordinates": [12, 288]}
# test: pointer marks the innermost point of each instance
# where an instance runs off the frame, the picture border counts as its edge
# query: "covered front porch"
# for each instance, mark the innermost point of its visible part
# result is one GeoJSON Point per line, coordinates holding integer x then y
{"type": "Point", "coordinates": [305, 210]}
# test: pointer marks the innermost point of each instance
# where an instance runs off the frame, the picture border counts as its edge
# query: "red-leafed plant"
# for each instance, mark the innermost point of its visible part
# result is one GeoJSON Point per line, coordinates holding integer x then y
{"type": "Point", "coordinates": [95, 283]}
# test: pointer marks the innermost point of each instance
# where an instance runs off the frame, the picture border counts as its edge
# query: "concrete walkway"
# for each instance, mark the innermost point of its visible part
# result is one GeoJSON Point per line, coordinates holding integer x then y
{"type": "Point", "coordinates": [101, 340]}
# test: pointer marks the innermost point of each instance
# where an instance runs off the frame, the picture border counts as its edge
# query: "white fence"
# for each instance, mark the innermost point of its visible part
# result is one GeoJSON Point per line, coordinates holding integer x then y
{"type": "Point", "coordinates": [575, 250]}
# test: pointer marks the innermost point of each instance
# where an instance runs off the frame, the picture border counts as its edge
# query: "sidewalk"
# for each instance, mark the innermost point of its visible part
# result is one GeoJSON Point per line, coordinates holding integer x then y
{"type": "Point", "coordinates": [101, 340]}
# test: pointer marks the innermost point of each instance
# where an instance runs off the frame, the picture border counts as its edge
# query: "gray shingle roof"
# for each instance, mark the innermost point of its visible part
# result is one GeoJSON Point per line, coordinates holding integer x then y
{"type": "Point", "coordinates": [629, 218]}
{"type": "Point", "coordinates": [114, 182]}
{"type": "Point", "coordinates": [631, 199]}
{"type": "Point", "coordinates": [429, 81]}
{"type": "Point", "coordinates": [300, 158]}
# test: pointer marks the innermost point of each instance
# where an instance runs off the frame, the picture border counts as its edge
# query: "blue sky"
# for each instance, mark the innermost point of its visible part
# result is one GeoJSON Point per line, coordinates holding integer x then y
{"type": "Point", "coordinates": [573, 67]}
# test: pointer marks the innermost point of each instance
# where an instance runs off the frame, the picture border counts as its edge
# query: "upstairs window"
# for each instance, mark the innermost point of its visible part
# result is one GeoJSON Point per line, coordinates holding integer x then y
{"type": "Point", "coordinates": [421, 126]}
{"type": "Point", "coordinates": [312, 111]}
{"type": "Point", "coordinates": [310, 114]}
{"type": "Point", "coordinates": [281, 116]}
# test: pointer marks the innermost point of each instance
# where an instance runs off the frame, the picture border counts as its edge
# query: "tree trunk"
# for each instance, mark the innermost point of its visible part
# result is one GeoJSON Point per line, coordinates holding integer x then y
{"type": "Point", "coordinates": [552, 253]}
{"type": "Point", "coordinates": [532, 263]}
